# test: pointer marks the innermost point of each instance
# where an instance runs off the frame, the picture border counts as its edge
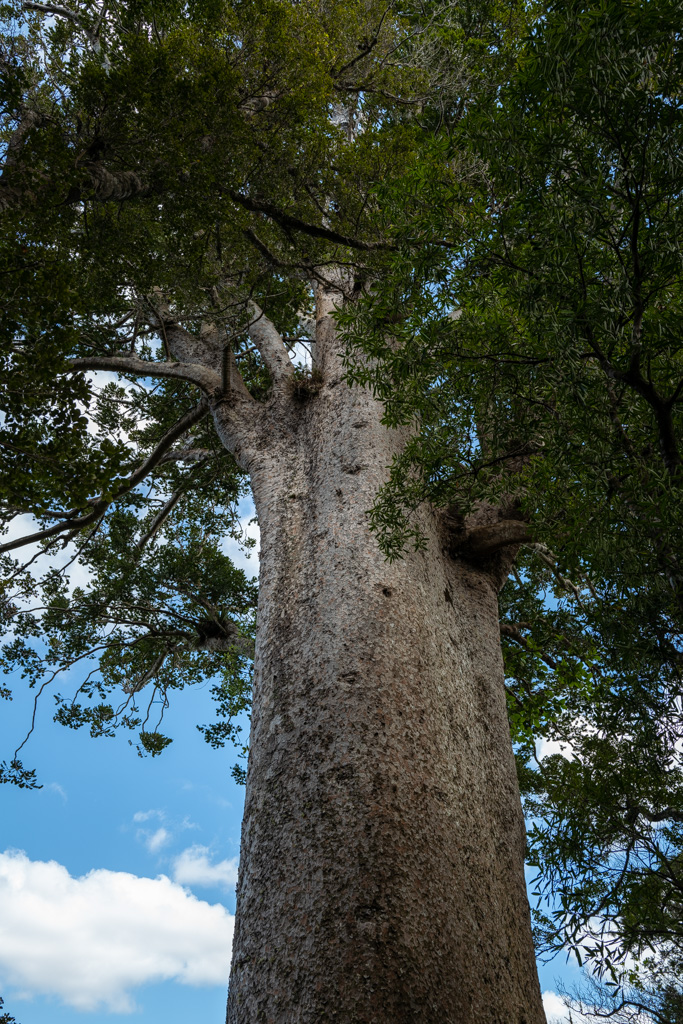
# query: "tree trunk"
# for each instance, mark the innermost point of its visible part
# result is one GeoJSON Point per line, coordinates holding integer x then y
{"type": "Point", "coordinates": [381, 871]}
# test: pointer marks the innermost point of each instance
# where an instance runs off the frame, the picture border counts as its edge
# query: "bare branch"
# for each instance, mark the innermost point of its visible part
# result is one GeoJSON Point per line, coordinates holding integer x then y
{"type": "Point", "coordinates": [161, 517]}
{"type": "Point", "coordinates": [268, 341]}
{"type": "Point", "coordinates": [203, 377]}
{"type": "Point", "coordinates": [62, 12]}
{"type": "Point", "coordinates": [550, 559]}
{"type": "Point", "coordinates": [287, 220]}
{"type": "Point", "coordinates": [136, 685]}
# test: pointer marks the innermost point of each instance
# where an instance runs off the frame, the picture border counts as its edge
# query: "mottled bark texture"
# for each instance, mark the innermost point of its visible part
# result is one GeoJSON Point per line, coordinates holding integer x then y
{"type": "Point", "coordinates": [381, 872]}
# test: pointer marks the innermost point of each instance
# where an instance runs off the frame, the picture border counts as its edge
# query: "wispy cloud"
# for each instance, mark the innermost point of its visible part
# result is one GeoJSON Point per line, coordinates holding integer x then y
{"type": "Point", "coordinates": [154, 841]}
{"type": "Point", "coordinates": [141, 816]}
{"type": "Point", "coordinates": [157, 839]}
{"type": "Point", "coordinates": [90, 941]}
{"type": "Point", "coordinates": [193, 867]}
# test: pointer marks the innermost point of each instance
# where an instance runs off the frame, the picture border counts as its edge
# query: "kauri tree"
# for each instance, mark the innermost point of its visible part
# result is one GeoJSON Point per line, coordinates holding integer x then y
{"type": "Point", "coordinates": [188, 194]}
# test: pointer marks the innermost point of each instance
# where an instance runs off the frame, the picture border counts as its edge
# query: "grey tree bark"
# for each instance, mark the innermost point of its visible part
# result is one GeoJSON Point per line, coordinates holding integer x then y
{"type": "Point", "coordinates": [381, 870]}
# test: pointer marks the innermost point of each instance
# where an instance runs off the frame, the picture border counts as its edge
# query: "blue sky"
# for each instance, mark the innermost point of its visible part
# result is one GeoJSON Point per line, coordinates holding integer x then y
{"type": "Point", "coordinates": [104, 810]}
{"type": "Point", "coordinates": [117, 877]}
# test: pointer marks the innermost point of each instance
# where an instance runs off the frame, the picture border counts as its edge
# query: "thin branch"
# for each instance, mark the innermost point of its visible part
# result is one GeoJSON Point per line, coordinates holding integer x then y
{"type": "Point", "coordinates": [100, 505]}
{"type": "Point", "coordinates": [188, 455]}
{"type": "Point", "coordinates": [287, 220]}
{"type": "Point", "coordinates": [510, 630]}
{"type": "Point", "coordinates": [161, 517]}
{"type": "Point", "coordinates": [550, 559]}
{"type": "Point", "coordinates": [135, 687]}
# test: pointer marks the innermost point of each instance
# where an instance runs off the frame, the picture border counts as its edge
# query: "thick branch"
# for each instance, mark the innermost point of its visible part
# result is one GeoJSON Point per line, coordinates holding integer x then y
{"type": "Point", "coordinates": [483, 541]}
{"type": "Point", "coordinates": [100, 505]}
{"type": "Point", "coordinates": [268, 341]}
{"type": "Point", "coordinates": [662, 412]}
{"type": "Point", "coordinates": [668, 814]}
{"type": "Point", "coordinates": [61, 12]}
{"type": "Point", "coordinates": [204, 378]}
{"type": "Point", "coordinates": [28, 120]}
{"type": "Point", "coordinates": [64, 12]}
{"type": "Point", "coordinates": [179, 343]}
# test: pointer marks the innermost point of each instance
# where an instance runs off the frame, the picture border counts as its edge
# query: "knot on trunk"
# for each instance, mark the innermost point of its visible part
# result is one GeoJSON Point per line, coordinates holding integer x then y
{"type": "Point", "coordinates": [483, 541]}
{"type": "Point", "coordinates": [476, 540]}
{"type": "Point", "coordinates": [491, 547]}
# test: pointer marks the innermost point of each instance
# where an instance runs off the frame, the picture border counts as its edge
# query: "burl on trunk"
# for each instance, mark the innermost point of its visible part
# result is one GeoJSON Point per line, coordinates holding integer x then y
{"type": "Point", "coordinates": [381, 872]}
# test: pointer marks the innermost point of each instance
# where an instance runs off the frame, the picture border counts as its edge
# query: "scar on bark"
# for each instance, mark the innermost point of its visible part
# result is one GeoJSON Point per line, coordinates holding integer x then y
{"type": "Point", "coordinates": [479, 543]}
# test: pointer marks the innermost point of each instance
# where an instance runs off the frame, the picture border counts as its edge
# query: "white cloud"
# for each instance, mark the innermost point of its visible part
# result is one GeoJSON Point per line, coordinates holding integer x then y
{"type": "Point", "coordinates": [544, 748]}
{"type": "Point", "coordinates": [157, 840]}
{"type": "Point", "coordinates": [146, 815]}
{"type": "Point", "coordinates": [152, 840]}
{"type": "Point", "coordinates": [193, 867]}
{"type": "Point", "coordinates": [248, 561]}
{"type": "Point", "coordinates": [91, 940]}
{"type": "Point", "coordinates": [555, 1010]}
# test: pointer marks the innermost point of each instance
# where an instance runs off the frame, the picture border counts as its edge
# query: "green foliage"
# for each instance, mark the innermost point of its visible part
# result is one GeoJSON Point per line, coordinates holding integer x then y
{"type": "Point", "coordinates": [6, 1018]}
{"type": "Point", "coordinates": [233, 701]}
{"type": "Point", "coordinates": [165, 610]}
